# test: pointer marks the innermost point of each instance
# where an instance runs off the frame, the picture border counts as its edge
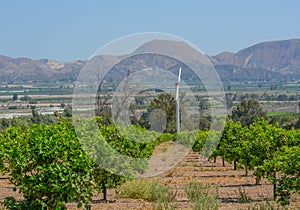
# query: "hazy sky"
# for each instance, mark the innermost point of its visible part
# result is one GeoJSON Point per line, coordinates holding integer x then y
{"type": "Point", "coordinates": [69, 30]}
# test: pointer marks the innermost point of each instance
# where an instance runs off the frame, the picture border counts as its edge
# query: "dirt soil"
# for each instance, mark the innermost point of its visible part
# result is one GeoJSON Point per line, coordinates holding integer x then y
{"type": "Point", "coordinates": [230, 183]}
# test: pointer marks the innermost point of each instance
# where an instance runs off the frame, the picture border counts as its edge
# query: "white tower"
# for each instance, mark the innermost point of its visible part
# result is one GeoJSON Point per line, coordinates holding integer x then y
{"type": "Point", "coordinates": [177, 102]}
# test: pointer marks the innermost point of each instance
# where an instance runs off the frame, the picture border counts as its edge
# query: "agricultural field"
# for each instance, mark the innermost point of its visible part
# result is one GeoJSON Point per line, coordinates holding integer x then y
{"type": "Point", "coordinates": [18, 99]}
{"type": "Point", "coordinates": [216, 181]}
{"type": "Point", "coordinates": [235, 190]}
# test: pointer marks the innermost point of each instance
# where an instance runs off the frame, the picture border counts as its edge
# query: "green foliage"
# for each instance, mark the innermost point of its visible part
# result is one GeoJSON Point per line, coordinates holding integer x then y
{"type": "Point", "coordinates": [15, 97]}
{"type": "Point", "coordinates": [187, 138]}
{"type": "Point", "coordinates": [48, 166]}
{"type": "Point", "coordinates": [23, 122]}
{"type": "Point", "coordinates": [166, 103]}
{"type": "Point", "coordinates": [193, 139]}
{"type": "Point", "coordinates": [266, 205]}
{"type": "Point", "coordinates": [121, 146]}
{"type": "Point", "coordinates": [163, 196]}
{"type": "Point", "coordinates": [204, 122]}
{"type": "Point", "coordinates": [149, 190]}
{"type": "Point", "coordinates": [26, 121]}
{"type": "Point", "coordinates": [164, 137]}
{"type": "Point", "coordinates": [285, 162]}
{"type": "Point", "coordinates": [260, 143]}
{"type": "Point", "coordinates": [286, 121]}
{"type": "Point", "coordinates": [210, 141]}
{"type": "Point", "coordinates": [200, 140]}
{"type": "Point", "coordinates": [202, 196]}
{"type": "Point", "coordinates": [125, 140]}
{"type": "Point", "coordinates": [135, 189]}
{"type": "Point", "coordinates": [67, 111]}
{"type": "Point", "coordinates": [247, 112]}
{"type": "Point", "coordinates": [231, 142]}
{"type": "Point", "coordinates": [122, 151]}
{"type": "Point", "coordinates": [269, 150]}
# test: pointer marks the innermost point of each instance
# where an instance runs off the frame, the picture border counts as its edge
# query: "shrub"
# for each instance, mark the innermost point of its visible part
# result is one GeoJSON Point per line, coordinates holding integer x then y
{"type": "Point", "coordinates": [148, 190]}
{"type": "Point", "coordinates": [48, 166]}
{"type": "Point", "coordinates": [135, 189]}
{"type": "Point", "coordinates": [202, 197]}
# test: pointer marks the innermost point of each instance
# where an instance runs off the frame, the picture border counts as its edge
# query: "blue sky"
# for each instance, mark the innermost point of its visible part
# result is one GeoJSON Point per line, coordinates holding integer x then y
{"type": "Point", "coordinates": [70, 30]}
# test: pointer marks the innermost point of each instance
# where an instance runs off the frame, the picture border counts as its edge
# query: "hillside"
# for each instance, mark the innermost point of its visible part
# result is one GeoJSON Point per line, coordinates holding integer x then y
{"type": "Point", "coordinates": [266, 60]}
{"type": "Point", "coordinates": [273, 60]}
{"type": "Point", "coordinates": [44, 70]}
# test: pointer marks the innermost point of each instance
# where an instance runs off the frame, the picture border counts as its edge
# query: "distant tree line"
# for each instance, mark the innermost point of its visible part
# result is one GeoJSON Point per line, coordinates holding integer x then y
{"type": "Point", "coordinates": [262, 97]}
{"type": "Point", "coordinates": [26, 121]}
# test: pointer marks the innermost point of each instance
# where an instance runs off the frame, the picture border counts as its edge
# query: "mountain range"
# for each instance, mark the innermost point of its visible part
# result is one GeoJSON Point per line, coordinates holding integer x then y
{"type": "Point", "coordinates": [266, 60]}
{"type": "Point", "coordinates": [44, 70]}
{"type": "Point", "coordinates": [272, 60]}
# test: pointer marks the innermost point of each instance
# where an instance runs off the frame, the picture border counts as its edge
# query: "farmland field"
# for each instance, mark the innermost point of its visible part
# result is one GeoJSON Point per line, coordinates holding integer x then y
{"type": "Point", "coordinates": [284, 98]}
{"type": "Point", "coordinates": [236, 190]}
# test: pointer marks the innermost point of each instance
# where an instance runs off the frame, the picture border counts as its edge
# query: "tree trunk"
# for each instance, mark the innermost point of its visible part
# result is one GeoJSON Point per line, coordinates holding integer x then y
{"type": "Point", "coordinates": [274, 186]}
{"type": "Point", "coordinates": [258, 176]}
{"type": "Point", "coordinates": [246, 171]}
{"type": "Point", "coordinates": [234, 165]}
{"type": "Point", "coordinates": [257, 180]}
{"type": "Point", "coordinates": [223, 162]}
{"type": "Point", "coordinates": [104, 190]}
{"type": "Point", "coordinates": [215, 159]}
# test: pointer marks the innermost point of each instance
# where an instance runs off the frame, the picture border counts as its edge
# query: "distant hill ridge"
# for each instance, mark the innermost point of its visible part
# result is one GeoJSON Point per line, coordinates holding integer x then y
{"type": "Point", "coordinates": [44, 70]}
{"type": "Point", "coordinates": [272, 60]}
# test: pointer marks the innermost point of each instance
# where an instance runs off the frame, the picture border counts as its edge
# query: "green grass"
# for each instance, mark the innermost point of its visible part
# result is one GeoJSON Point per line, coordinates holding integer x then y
{"type": "Point", "coordinates": [277, 114]}
{"type": "Point", "coordinates": [265, 205]}
{"type": "Point", "coordinates": [149, 190]}
{"type": "Point", "coordinates": [202, 196]}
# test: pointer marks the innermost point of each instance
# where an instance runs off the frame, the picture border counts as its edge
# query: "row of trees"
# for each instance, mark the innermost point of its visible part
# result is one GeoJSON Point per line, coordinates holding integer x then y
{"type": "Point", "coordinates": [263, 97]}
{"type": "Point", "coordinates": [248, 111]}
{"type": "Point", "coordinates": [271, 151]}
{"type": "Point", "coordinates": [253, 142]}
{"type": "Point", "coordinates": [26, 121]}
{"type": "Point", "coordinates": [49, 167]}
